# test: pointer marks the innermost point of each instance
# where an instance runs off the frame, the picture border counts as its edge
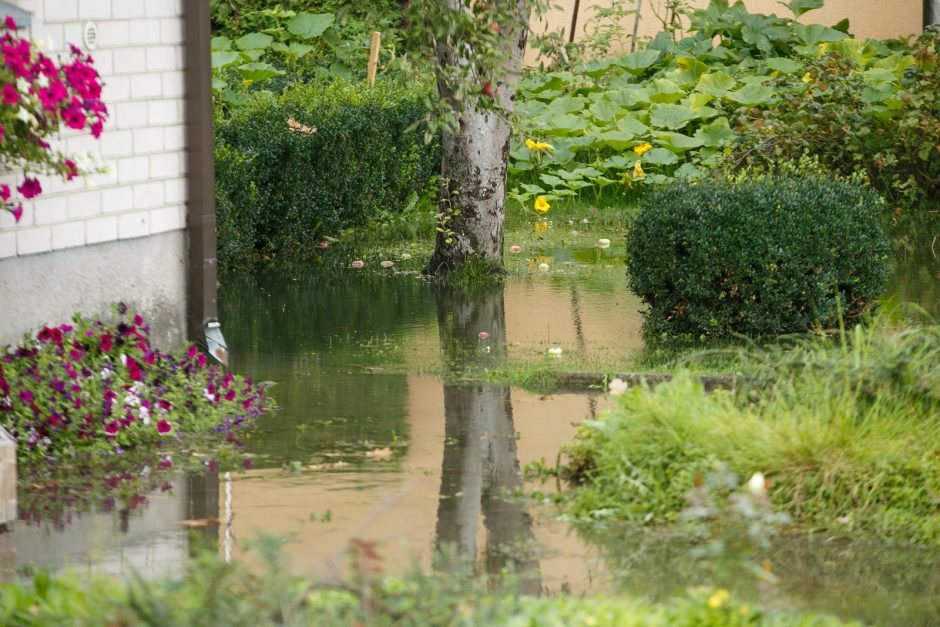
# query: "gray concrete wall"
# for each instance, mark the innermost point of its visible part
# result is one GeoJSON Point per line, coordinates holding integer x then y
{"type": "Point", "coordinates": [147, 273]}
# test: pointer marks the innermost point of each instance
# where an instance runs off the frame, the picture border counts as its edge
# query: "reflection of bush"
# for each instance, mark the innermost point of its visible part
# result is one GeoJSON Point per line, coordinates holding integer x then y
{"type": "Point", "coordinates": [279, 190]}
{"type": "Point", "coordinates": [315, 336]}
{"type": "Point", "coordinates": [762, 256]}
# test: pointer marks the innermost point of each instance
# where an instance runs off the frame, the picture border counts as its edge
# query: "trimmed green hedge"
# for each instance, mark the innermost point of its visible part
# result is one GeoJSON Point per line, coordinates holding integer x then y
{"type": "Point", "coordinates": [279, 190]}
{"type": "Point", "coordinates": [763, 256]}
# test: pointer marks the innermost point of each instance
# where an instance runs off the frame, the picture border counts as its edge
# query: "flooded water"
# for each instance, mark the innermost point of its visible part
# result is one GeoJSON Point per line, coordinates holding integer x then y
{"type": "Point", "coordinates": [377, 440]}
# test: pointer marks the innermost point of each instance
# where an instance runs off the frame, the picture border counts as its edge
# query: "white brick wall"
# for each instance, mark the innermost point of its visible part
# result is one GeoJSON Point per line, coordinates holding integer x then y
{"type": "Point", "coordinates": [139, 56]}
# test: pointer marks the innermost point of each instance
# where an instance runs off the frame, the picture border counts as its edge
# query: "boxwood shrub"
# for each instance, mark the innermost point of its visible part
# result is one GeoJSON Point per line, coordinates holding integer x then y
{"type": "Point", "coordinates": [762, 256]}
{"type": "Point", "coordinates": [281, 186]}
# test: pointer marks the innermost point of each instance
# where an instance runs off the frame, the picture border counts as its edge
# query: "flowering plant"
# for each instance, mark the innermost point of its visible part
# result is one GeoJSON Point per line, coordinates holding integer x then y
{"type": "Point", "coordinates": [38, 95]}
{"type": "Point", "coordinates": [96, 387]}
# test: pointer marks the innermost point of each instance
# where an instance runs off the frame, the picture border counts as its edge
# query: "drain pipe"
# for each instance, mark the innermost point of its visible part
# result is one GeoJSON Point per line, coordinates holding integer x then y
{"type": "Point", "coordinates": [931, 12]}
{"type": "Point", "coordinates": [202, 322]}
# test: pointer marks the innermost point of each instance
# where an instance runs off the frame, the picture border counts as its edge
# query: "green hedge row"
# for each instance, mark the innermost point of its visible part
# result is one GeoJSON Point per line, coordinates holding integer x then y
{"type": "Point", "coordinates": [764, 256]}
{"type": "Point", "coordinates": [282, 185]}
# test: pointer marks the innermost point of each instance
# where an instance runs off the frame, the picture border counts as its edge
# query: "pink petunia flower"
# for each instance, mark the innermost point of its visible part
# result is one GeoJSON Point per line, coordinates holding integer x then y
{"type": "Point", "coordinates": [30, 188]}
{"type": "Point", "coordinates": [164, 427]}
{"type": "Point", "coordinates": [17, 212]}
{"type": "Point", "coordinates": [9, 94]}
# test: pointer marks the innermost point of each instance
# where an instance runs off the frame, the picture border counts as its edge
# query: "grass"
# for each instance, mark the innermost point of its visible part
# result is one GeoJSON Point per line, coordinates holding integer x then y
{"type": "Point", "coordinates": [846, 430]}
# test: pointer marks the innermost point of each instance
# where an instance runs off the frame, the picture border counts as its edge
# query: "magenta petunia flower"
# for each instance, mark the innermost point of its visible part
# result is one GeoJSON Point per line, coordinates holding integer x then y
{"type": "Point", "coordinates": [4, 192]}
{"type": "Point", "coordinates": [164, 427]}
{"type": "Point", "coordinates": [74, 117]}
{"type": "Point", "coordinates": [17, 212]}
{"type": "Point", "coordinates": [105, 343]}
{"type": "Point", "coordinates": [30, 188]}
{"type": "Point", "coordinates": [9, 95]}
{"type": "Point", "coordinates": [112, 428]}
{"type": "Point", "coordinates": [9, 22]}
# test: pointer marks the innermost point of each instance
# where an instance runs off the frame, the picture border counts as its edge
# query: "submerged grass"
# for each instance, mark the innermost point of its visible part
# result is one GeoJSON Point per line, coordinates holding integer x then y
{"type": "Point", "coordinates": [847, 431]}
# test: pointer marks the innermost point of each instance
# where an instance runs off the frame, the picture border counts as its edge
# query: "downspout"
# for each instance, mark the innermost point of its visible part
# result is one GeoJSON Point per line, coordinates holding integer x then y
{"type": "Point", "coordinates": [574, 20]}
{"type": "Point", "coordinates": [931, 12]}
{"type": "Point", "coordinates": [202, 309]}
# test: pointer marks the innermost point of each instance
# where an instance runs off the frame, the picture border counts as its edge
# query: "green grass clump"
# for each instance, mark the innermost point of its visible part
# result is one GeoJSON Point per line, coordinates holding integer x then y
{"type": "Point", "coordinates": [846, 431]}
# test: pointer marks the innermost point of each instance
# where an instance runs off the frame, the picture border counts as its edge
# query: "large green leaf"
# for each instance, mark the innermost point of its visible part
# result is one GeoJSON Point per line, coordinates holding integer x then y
{"type": "Point", "coordinates": [606, 111]}
{"type": "Point", "coordinates": [310, 25]}
{"type": "Point", "coordinates": [565, 124]}
{"type": "Point", "coordinates": [638, 62]}
{"type": "Point", "coordinates": [753, 94]}
{"type": "Point", "coordinates": [666, 92]}
{"type": "Point", "coordinates": [812, 34]}
{"type": "Point", "coordinates": [298, 49]}
{"type": "Point", "coordinates": [716, 83]}
{"type": "Point", "coordinates": [221, 58]}
{"type": "Point", "coordinates": [632, 125]}
{"type": "Point", "coordinates": [677, 142]}
{"type": "Point", "coordinates": [258, 71]}
{"type": "Point", "coordinates": [660, 156]}
{"type": "Point", "coordinates": [630, 96]}
{"type": "Point", "coordinates": [220, 43]}
{"type": "Point", "coordinates": [799, 7]}
{"type": "Point", "coordinates": [688, 71]}
{"type": "Point", "coordinates": [253, 41]}
{"type": "Point", "coordinates": [568, 104]}
{"type": "Point", "coordinates": [672, 116]}
{"type": "Point", "coordinates": [782, 64]}
{"type": "Point", "coordinates": [715, 133]}
{"type": "Point", "coordinates": [618, 140]}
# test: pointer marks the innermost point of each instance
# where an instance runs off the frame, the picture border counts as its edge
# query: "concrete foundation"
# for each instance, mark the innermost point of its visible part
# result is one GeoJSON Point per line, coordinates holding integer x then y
{"type": "Point", "coordinates": [148, 273]}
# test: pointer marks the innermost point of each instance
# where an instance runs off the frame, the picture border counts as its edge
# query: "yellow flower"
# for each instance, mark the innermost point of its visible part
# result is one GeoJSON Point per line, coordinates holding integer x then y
{"type": "Point", "coordinates": [807, 77]}
{"type": "Point", "coordinates": [718, 599]}
{"type": "Point", "coordinates": [541, 204]}
{"type": "Point", "coordinates": [638, 172]}
{"type": "Point", "coordinates": [642, 149]}
{"type": "Point", "coordinates": [537, 146]}
{"type": "Point", "coordinates": [540, 226]}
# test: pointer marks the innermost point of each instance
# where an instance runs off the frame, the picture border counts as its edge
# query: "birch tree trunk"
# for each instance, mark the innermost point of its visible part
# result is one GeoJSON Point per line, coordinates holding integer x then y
{"type": "Point", "coordinates": [475, 156]}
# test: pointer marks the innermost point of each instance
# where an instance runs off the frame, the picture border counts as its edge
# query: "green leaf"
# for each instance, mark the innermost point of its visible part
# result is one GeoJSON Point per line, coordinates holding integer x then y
{"type": "Point", "coordinates": [632, 125]}
{"type": "Point", "coordinates": [552, 181]}
{"type": "Point", "coordinates": [565, 124]}
{"type": "Point", "coordinates": [666, 92]}
{"type": "Point", "coordinates": [258, 71]}
{"type": "Point", "coordinates": [221, 58]}
{"type": "Point", "coordinates": [568, 104]}
{"type": "Point", "coordinates": [533, 189]}
{"type": "Point", "coordinates": [660, 156]}
{"type": "Point", "coordinates": [218, 84]}
{"type": "Point", "coordinates": [812, 34]}
{"type": "Point", "coordinates": [678, 142]}
{"type": "Point", "coordinates": [618, 140]}
{"type": "Point", "coordinates": [688, 70]}
{"type": "Point", "coordinates": [606, 111]}
{"type": "Point", "coordinates": [220, 43]}
{"type": "Point", "coordinates": [752, 94]}
{"type": "Point", "coordinates": [698, 101]}
{"type": "Point", "coordinates": [672, 116]}
{"type": "Point", "coordinates": [310, 25]}
{"type": "Point", "coordinates": [799, 7]}
{"type": "Point", "coordinates": [253, 41]}
{"type": "Point", "coordinates": [689, 171]}
{"type": "Point", "coordinates": [782, 64]}
{"type": "Point", "coordinates": [716, 83]}
{"type": "Point", "coordinates": [716, 133]}
{"type": "Point", "coordinates": [298, 49]}
{"type": "Point", "coordinates": [637, 62]}
{"type": "Point", "coordinates": [616, 161]}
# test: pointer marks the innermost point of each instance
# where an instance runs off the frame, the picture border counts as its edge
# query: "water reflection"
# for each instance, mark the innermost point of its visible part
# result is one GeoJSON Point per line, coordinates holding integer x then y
{"type": "Point", "coordinates": [480, 469]}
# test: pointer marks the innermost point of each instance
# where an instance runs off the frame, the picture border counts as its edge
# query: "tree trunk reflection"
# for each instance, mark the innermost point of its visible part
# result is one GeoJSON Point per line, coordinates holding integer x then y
{"type": "Point", "coordinates": [481, 467]}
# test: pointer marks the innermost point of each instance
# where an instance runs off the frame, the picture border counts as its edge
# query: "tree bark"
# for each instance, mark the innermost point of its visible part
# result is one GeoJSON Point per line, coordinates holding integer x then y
{"type": "Point", "coordinates": [475, 156]}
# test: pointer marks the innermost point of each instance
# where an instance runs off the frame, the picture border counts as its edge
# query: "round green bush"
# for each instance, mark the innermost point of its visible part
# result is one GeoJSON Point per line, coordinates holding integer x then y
{"type": "Point", "coordinates": [763, 256]}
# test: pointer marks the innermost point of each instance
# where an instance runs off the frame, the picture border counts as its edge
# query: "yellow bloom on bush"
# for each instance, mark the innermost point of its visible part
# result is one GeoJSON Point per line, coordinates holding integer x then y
{"type": "Point", "coordinates": [642, 149]}
{"type": "Point", "coordinates": [537, 146]}
{"type": "Point", "coordinates": [540, 226]}
{"type": "Point", "coordinates": [638, 170]}
{"type": "Point", "coordinates": [541, 204]}
{"type": "Point", "coordinates": [718, 600]}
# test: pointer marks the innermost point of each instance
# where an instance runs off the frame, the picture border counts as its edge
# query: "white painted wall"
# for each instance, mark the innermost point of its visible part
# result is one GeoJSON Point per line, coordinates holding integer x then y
{"type": "Point", "coordinates": [120, 236]}
{"type": "Point", "coordinates": [140, 58]}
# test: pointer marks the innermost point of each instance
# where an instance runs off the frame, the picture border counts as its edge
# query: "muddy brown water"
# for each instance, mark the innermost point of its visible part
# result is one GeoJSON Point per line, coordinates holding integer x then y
{"type": "Point", "coordinates": [369, 444]}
